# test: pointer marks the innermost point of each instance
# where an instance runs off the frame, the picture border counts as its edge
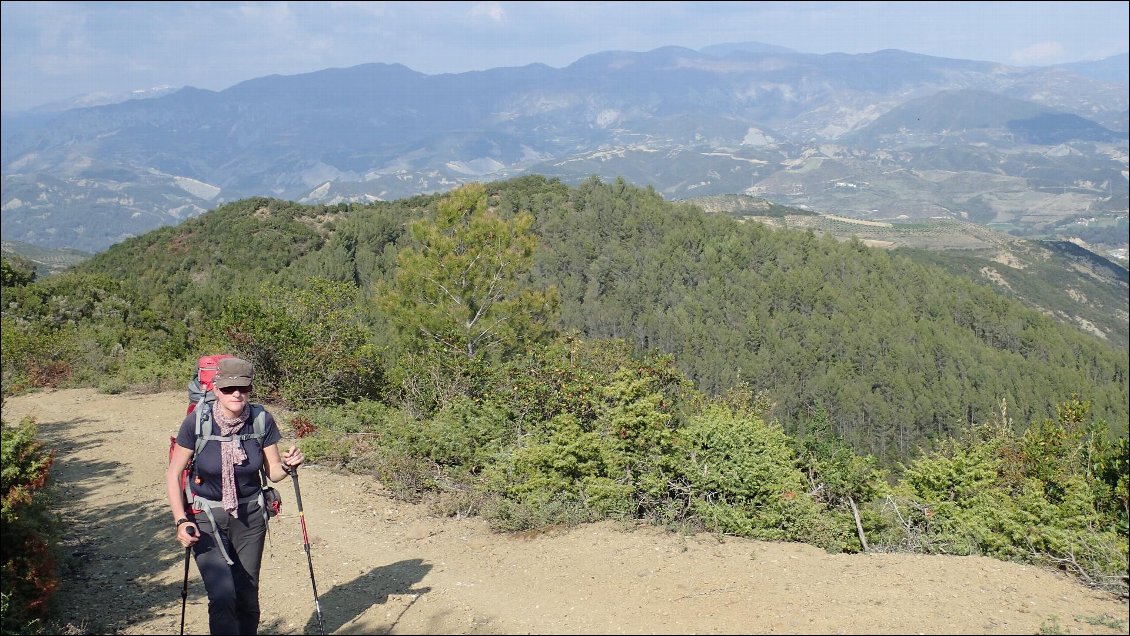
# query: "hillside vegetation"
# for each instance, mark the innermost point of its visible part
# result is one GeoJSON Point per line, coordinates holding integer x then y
{"type": "Point", "coordinates": [539, 354]}
{"type": "Point", "coordinates": [1056, 277]}
{"type": "Point", "coordinates": [896, 352]}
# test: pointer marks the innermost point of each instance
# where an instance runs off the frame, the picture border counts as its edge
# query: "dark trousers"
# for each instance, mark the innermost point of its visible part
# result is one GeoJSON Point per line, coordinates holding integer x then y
{"type": "Point", "coordinates": [233, 590]}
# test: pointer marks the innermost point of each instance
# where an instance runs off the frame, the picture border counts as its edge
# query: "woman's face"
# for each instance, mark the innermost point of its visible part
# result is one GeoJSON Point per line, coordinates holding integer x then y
{"type": "Point", "coordinates": [233, 398]}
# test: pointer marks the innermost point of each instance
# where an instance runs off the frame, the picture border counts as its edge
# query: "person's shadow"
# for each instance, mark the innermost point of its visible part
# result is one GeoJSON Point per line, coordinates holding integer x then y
{"type": "Point", "coordinates": [348, 601]}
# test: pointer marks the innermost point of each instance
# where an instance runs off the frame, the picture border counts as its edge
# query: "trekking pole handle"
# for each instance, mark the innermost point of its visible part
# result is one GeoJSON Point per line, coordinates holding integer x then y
{"type": "Point", "coordinates": [190, 531]}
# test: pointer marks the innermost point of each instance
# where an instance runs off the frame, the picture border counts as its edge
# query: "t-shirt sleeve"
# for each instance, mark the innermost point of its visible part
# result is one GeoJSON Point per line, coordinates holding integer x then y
{"type": "Point", "coordinates": [186, 436]}
{"type": "Point", "coordinates": [271, 433]}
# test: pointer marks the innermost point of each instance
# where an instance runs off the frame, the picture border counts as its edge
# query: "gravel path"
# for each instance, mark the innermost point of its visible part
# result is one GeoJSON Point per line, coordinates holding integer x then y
{"type": "Point", "coordinates": [387, 567]}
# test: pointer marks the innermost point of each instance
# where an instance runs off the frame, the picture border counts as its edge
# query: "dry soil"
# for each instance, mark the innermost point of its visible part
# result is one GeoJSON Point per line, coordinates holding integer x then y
{"type": "Point", "coordinates": [384, 566]}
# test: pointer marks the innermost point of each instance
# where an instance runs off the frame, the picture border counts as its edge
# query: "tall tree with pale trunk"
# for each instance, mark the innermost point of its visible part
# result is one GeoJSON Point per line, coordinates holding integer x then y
{"type": "Point", "coordinates": [458, 286]}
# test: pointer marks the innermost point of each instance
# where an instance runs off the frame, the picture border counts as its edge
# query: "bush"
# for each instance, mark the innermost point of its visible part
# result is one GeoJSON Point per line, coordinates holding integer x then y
{"type": "Point", "coordinates": [309, 345]}
{"type": "Point", "coordinates": [562, 468]}
{"type": "Point", "coordinates": [34, 356]}
{"type": "Point", "coordinates": [144, 370]}
{"type": "Point", "coordinates": [29, 572]}
{"type": "Point", "coordinates": [465, 434]}
{"type": "Point", "coordinates": [84, 330]}
{"type": "Point", "coordinates": [1033, 497]}
{"type": "Point", "coordinates": [507, 515]}
{"type": "Point", "coordinates": [742, 479]}
{"type": "Point", "coordinates": [594, 434]}
{"type": "Point", "coordinates": [338, 435]}
{"type": "Point", "coordinates": [842, 481]}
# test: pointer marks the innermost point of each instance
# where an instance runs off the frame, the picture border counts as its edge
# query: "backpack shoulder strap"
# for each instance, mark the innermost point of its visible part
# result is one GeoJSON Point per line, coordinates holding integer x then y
{"type": "Point", "coordinates": [259, 426]}
{"type": "Point", "coordinates": [259, 420]}
{"type": "Point", "coordinates": [203, 413]}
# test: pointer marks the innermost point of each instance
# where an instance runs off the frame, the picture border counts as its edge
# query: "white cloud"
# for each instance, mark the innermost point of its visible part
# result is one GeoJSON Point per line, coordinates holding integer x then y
{"type": "Point", "coordinates": [1039, 53]}
{"type": "Point", "coordinates": [490, 10]}
{"type": "Point", "coordinates": [63, 34]}
{"type": "Point", "coordinates": [268, 12]}
{"type": "Point", "coordinates": [375, 9]}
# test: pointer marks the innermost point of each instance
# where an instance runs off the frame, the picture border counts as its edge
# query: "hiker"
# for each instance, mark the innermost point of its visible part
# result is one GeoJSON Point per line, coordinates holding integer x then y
{"type": "Point", "coordinates": [226, 489]}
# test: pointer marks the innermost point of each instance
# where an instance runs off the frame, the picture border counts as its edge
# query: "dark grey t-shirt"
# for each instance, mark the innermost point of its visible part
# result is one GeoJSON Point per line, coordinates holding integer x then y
{"type": "Point", "coordinates": [247, 481]}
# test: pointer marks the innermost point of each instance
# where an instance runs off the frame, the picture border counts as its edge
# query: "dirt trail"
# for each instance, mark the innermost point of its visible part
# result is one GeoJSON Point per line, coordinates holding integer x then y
{"type": "Point", "coordinates": [384, 566]}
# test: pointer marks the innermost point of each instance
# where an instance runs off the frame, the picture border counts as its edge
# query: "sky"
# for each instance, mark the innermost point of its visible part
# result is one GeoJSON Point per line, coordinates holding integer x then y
{"type": "Point", "coordinates": [53, 51]}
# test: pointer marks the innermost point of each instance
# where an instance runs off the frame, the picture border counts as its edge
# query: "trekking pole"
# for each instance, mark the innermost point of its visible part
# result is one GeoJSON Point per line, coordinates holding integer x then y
{"type": "Point", "coordinates": [190, 531]}
{"type": "Point", "coordinates": [306, 545]}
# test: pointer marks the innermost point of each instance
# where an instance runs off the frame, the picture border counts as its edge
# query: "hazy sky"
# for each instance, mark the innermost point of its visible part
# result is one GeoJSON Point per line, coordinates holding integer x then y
{"type": "Point", "coordinates": [57, 50]}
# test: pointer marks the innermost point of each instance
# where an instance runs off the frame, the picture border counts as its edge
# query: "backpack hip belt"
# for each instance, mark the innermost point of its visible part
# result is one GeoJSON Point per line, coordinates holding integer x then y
{"type": "Point", "coordinates": [200, 504]}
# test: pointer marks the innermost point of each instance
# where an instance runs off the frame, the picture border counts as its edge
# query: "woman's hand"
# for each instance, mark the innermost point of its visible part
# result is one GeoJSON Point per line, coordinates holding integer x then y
{"type": "Point", "coordinates": [293, 458]}
{"type": "Point", "coordinates": [186, 539]}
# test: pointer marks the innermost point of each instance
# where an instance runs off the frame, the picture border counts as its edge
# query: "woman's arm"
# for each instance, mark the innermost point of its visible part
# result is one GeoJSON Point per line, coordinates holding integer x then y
{"type": "Point", "coordinates": [278, 468]}
{"type": "Point", "coordinates": [178, 461]}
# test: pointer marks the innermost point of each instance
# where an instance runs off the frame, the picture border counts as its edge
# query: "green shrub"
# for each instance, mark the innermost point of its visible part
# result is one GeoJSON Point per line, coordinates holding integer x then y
{"type": "Point", "coordinates": [83, 330]}
{"type": "Point", "coordinates": [367, 437]}
{"type": "Point", "coordinates": [1032, 497]}
{"type": "Point", "coordinates": [559, 378]}
{"type": "Point", "coordinates": [34, 356]}
{"type": "Point", "coordinates": [560, 468]}
{"type": "Point", "coordinates": [742, 478]}
{"type": "Point", "coordinates": [308, 345]}
{"type": "Point", "coordinates": [339, 435]}
{"type": "Point", "coordinates": [464, 434]}
{"type": "Point", "coordinates": [146, 371]}
{"type": "Point", "coordinates": [595, 434]}
{"type": "Point", "coordinates": [29, 572]}
{"type": "Point", "coordinates": [16, 271]}
{"type": "Point", "coordinates": [507, 515]}
{"type": "Point", "coordinates": [1112, 469]}
{"type": "Point", "coordinates": [841, 480]}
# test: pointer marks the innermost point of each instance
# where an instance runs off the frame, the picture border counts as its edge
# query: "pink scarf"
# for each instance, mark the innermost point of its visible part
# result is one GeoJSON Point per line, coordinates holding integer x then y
{"type": "Point", "coordinates": [231, 453]}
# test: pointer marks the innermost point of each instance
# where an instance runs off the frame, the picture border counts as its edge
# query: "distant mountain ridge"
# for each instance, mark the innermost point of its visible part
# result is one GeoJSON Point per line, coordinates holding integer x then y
{"type": "Point", "coordinates": [89, 100]}
{"type": "Point", "coordinates": [732, 119]}
{"type": "Point", "coordinates": [958, 111]}
{"type": "Point", "coordinates": [1113, 69]}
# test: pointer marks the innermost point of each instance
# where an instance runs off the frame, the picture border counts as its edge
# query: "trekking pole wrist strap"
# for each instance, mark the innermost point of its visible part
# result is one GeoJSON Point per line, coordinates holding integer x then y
{"type": "Point", "coordinates": [181, 521]}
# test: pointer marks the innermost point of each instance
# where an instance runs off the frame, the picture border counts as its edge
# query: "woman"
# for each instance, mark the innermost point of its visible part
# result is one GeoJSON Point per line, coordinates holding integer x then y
{"type": "Point", "coordinates": [228, 515]}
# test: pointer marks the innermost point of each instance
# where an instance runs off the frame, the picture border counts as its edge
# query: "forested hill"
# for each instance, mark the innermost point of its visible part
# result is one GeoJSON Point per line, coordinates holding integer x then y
{"type": "Point", "coordinates": [895, 353]}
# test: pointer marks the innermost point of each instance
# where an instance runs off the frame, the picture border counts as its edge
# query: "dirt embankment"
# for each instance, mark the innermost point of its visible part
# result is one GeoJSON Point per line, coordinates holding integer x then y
{"type": "Point", "coordinates": [383, 566]}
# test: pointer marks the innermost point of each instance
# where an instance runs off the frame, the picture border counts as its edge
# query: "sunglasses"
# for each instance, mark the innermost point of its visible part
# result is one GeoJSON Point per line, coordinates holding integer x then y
{"type": "Point", "coordinates": [228, 390]}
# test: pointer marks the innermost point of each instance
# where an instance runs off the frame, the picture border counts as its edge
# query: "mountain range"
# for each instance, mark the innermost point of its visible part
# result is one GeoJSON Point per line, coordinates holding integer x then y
{"type": "Point", "coordinates": [891, 136]}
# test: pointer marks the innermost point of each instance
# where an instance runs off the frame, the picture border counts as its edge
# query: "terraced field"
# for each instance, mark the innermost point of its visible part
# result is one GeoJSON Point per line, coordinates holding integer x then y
{"type": "Point", "coordinates": [46, 260]}
{"type": "Point", "coordinates": [932, 234]}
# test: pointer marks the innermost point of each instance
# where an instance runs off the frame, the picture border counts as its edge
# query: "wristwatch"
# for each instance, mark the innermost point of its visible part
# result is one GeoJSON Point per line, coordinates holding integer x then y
{"type": "Point", "coordinates": [180, 521]}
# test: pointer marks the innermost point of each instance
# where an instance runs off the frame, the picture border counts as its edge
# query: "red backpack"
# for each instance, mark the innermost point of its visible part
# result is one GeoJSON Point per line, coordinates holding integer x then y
{"type": "Point", "coordinates": [200, 388]}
